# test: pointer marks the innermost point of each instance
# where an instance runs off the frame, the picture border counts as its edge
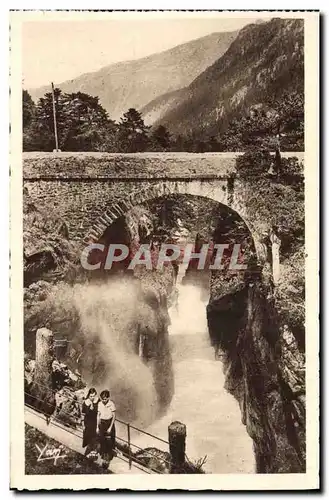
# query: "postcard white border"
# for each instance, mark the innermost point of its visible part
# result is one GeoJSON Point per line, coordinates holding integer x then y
{"type": "Point", "coordinates": [310, 479]}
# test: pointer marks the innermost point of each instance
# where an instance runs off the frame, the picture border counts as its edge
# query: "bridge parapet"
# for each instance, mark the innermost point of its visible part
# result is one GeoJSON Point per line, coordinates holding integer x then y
{"type": "Point", "coordinates": [70, 166]}
{"type": "Point", "coordinates": [89, 191]}
{"type": "Point", "coordinates": [139, 166]}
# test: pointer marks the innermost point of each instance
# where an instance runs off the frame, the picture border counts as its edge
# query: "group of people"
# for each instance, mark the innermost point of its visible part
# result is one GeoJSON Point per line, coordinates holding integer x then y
{"type": "Point", "coordinates": [63, 402]}
{"type": "Point", "coordinates": [99, 424]}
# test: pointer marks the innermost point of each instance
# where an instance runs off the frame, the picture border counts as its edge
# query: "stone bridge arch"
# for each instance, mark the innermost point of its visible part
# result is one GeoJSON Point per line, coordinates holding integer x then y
{"type": "Point", "coordinates": [223, 191]}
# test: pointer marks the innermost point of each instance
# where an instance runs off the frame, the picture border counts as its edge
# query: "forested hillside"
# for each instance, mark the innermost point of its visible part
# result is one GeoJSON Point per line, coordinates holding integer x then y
{"type": "Point", "coordinates": [256, 84]}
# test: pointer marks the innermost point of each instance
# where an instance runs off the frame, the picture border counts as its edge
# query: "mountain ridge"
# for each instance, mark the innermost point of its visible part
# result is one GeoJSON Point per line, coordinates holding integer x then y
{"type": "Point", "coordinates": [264, 61]}
{"type": "Point", "coordinates": [135, 83]}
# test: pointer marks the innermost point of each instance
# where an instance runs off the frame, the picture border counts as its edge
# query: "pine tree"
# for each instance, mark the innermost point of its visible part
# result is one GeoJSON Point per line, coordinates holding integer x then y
{"type": "Point", "coordinates": [28, 109]}
{"type": "Point", "coordinates": [133, 133]}
{"type": "Point", "coordinates": [44, 121]}
{"type": "Point", "coordinates": [87, 126]}
{"type": "Point", "coordinates": [82, 124]}
{"type": "Point", "coordinates": [161, 138]}
{"type": "Point", "coordinates": [213, 144]}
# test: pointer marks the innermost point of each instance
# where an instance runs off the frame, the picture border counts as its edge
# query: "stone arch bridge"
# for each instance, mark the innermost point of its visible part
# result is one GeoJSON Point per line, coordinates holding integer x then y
{"type": "Point", "coordinates": [89, 191]}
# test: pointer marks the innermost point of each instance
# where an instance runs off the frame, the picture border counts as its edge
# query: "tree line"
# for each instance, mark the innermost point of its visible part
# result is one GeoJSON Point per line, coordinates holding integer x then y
{"type": "Point", "coordinates": [84, 125]}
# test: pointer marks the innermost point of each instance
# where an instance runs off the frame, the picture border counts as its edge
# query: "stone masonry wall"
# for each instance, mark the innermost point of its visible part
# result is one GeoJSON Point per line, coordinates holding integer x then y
{"type": "Point", "coordinates": [88, 207]}
{"type": "Point", "coordinates": [77, 203]}
{"type": "Point", "coordinates": [95, 165]}
{"type": "Point", "coordinates": [80, 188]}
{"type": "Point", "coordinates": [88, 191]}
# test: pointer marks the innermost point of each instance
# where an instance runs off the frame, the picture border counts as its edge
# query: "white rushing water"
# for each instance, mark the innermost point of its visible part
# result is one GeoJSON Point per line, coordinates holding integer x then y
{"type": "Point", "coordinates": [212, 416]}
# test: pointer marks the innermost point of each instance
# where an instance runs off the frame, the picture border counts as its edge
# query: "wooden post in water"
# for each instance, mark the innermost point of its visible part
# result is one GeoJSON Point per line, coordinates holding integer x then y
{"type": "Point", "coordinates": [177, 445]}
{"type": "Point", "coordinates": [44, 357]}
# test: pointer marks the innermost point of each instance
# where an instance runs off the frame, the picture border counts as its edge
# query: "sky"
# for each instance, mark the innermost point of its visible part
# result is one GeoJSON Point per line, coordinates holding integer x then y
{"type": "Point", "coordinates": [60, 50]}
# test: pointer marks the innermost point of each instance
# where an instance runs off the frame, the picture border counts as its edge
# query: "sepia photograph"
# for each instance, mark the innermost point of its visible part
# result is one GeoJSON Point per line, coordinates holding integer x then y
{"type": "Point", "coordinates": [164, 218]}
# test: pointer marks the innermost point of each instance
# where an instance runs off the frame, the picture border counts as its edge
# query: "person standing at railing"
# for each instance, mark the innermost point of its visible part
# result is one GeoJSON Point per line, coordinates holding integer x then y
{"type": "Point", "coordinates": [106, 426]}
{"type": "Point", "coordinates": [59, 399]}
{"type": "Point", "coordinates": [89, 413]}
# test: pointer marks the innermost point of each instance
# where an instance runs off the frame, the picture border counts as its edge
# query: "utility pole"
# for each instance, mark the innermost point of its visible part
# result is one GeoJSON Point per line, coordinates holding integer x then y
{"type": "Point", "coordinates": [54, 115]}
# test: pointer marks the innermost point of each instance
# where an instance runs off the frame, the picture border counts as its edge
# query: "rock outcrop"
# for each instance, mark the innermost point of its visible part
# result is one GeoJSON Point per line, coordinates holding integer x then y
{"type": "Point", "coordinates": [48, 251]}
{"type": "Point", "coordinates": [265, 373]}
{"type": "Point", "coordinates": [114, 326]}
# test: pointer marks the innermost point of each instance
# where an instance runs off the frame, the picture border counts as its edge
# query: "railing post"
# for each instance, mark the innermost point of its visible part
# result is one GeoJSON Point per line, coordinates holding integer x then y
{"type": "Point", "coordinates": [177, 443]}
{"type": "Point", "coordinates": [44, 357]}
{"type": "Point", "coordinates": [129, 449]}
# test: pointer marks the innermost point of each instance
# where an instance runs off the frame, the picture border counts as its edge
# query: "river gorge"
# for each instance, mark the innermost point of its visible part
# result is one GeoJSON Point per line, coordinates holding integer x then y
{"type": "Point", "coordinates": [211, 414]}
{"type": "Point", "coordinates": [202, 348]}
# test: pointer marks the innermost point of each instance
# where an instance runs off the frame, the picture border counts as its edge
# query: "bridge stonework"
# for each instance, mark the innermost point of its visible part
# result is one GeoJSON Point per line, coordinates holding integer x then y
{"type": "Point", "coordinates": [213, 189]}
{"type": "Point", "coordinates": [91, 190]}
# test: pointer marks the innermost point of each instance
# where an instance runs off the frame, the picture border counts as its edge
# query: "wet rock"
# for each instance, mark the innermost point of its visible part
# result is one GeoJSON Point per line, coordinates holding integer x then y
{"type": "Point", "coordinates": [265, 372]}
{"type": "Point", "coordinates": [154, 459]}
{"type": "Point", "coordinates": [291, 362]}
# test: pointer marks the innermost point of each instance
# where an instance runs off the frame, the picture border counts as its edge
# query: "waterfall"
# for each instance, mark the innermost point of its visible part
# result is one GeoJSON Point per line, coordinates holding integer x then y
{"type": "Point", "coordinates": [211, 414]}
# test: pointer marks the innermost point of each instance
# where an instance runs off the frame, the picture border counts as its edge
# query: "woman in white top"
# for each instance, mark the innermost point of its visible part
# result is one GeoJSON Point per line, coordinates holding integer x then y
{"type": "Point", "coordinates": [106, 426]}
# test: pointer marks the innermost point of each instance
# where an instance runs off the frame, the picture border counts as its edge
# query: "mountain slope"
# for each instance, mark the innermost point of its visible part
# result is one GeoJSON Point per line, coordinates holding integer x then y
{"type": "Point", "coordinates": [262, 63]}
{"type": "Point", "coordinates": [159, 106]}
{"type": "Point", "coordinates": [135, 83]}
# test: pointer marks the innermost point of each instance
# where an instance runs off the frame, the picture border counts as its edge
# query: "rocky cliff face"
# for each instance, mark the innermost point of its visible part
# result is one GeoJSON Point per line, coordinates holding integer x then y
{"type": "Point", "coordinates": [116, 326]}
{"type": "Point", "coordinates": [49, 253]}
{"type": "Point", "coordinates": [265, 373]}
